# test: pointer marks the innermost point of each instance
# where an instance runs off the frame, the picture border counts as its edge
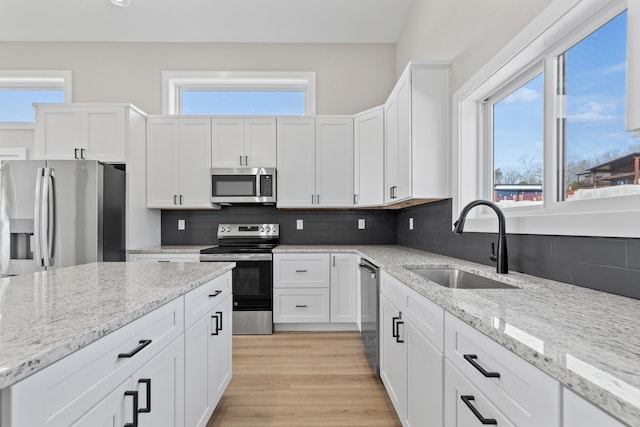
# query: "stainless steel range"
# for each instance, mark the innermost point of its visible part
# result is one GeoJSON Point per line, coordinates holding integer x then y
{"type": "Point", "coordinates": [250, 246]}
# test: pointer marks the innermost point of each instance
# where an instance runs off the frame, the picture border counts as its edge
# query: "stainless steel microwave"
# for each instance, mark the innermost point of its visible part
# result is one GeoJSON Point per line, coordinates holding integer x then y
{"type": "Point", "coordinates": [243, 185]}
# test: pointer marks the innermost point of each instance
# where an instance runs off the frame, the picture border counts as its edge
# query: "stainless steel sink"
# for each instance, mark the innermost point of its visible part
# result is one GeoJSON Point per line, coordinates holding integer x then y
{"type": "Point", "coordinates": [453, 278]}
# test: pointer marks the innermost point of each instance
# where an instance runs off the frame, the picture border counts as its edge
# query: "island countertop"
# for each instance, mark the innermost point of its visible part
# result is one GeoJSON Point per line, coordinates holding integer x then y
{"type": "Point", "coordinates": [49, 315]}
{"type": "Point", "coordinates": [587, 340]}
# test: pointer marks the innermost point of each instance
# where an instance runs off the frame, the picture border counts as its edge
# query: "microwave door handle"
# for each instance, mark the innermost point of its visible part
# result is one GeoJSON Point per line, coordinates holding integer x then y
{"type": "Point", "coordinates": [37, 218]}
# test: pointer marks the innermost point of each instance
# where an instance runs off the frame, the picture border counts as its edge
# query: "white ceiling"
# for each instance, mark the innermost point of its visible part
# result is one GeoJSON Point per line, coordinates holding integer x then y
{"type": "Point", "coordinates": [278, 21]}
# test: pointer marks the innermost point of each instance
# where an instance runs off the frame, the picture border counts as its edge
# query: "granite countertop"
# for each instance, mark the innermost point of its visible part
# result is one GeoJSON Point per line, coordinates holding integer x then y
{"type": "Point", "coordinates": [587, 340]}
{"type": "Point", "coordinates": [171, 249]}
{"type": "Point", "coordinates": [47, 316]}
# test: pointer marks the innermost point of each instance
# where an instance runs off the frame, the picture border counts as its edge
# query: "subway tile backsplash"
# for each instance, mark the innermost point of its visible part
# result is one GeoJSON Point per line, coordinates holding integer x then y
{"type": "Point", "coordinates": [607, 264]}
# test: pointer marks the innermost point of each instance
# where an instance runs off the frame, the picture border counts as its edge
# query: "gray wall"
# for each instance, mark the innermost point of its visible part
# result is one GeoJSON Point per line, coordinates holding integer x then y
{"type": "Point", "coordinates": [606, 264]}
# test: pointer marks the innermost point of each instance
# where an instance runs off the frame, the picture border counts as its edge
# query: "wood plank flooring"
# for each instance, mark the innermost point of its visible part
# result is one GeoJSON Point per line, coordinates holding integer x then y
{"type": "Point", "coordinates": [296, 379]}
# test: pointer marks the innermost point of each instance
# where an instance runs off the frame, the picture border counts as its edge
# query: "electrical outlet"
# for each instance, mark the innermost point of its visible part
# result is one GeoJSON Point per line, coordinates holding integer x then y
{"type": "Point", "coordinates": [361, 224]}
{"type": "Point", "coordinates": [410, 223]}
{"type": "Point", "coordinates": [299, 224]}
{"type": "Point", "coordinates": [181, 224]}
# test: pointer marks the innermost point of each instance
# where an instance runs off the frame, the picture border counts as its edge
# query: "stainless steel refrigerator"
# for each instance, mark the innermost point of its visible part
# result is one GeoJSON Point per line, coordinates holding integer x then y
{"type": "Point", "coordinates": [60, 213]}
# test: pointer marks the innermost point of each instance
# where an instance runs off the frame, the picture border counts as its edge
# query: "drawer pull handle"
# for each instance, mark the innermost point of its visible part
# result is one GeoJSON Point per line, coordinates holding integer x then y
{"type": "Point", "coordinates": [163, 260]}
{"type": "Point", "coordinates": [395, 322]}
{"type": "Point", "coordinates": [301, 305]}
{"type": "Point", "coordinates": [147, 382]}
{"type": "Point", "coordinates": [142, 344]}
{"type": "Point", "coordinates": [133, 394]}
{"type": "Point", "coordinates": [471, 358]}
{"type": "Point", "coordinates": [485, 421]}
{"type": "Point", "coordinates": [301, 271]}
{"type": "Point", "coordinates": [215, 294]}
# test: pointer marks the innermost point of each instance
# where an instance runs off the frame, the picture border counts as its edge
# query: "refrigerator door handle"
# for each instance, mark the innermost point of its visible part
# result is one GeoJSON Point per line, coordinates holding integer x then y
{"type": "Point", "coordinates": [37, 218]}
{"type": "Point", "coordinates": [48, 218]}
{"type": "Point", "coordinates": [54, 217]}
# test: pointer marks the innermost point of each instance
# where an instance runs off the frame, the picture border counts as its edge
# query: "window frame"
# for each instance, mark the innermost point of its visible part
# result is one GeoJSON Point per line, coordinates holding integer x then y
{"type": "Point", "coordinates": [34, 80]}
{"type": "Point", "coordinates": [559, 27]}
{"type": "Point", "coordinates": [174, 82]}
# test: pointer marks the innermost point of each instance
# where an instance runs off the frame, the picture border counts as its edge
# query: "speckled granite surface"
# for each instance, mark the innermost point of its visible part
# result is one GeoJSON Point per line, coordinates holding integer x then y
{"type": "Point", "coordinates": [47, 316]}
{"type": "Point", "coordinates": [171, 249]}
{"type": "Point", "coordinates": [588, 340]}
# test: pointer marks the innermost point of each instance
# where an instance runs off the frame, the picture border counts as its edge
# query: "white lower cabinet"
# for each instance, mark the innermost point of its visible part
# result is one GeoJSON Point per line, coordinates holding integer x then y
{"type": "Point", "coordinates": [393, 356]}
{"type": "Point", "coordinates": [577, 412]}
{"type": "Point", "coordinates": [117, 409]}
{"type": "Point", "coordinates": [314, 288]}
{"type": "Point", "coordinates": [208, 363]}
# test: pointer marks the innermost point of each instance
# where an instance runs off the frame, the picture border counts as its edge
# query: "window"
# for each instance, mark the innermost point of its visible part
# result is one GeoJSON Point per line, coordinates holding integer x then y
{"type": "Point", "coordinates": [20, 89]}
{"type": "Point", "coordinates": [546, 117]}
{"type": "Point", "coordinates": [517, 130]}
{"type": "Point", "coordinates": [239, 93]}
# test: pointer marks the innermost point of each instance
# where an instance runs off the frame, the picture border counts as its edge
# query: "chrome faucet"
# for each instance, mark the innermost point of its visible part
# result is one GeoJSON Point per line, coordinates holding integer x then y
{"type": "Point", "coordinates": [502, 265]}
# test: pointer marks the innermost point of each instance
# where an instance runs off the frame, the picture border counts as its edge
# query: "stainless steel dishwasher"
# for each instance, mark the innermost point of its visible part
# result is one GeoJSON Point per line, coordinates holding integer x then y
{"type": "Point", "coordinates": [369, 291]}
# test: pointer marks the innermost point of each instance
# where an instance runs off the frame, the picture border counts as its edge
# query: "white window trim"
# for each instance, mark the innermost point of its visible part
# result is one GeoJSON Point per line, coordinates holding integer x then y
{"type": "Point", "coordinates": [33, 80]}
{"type": "Point", "coordinates": [562, 23]}
{"type": "Point", "coordinates": [173, 82]}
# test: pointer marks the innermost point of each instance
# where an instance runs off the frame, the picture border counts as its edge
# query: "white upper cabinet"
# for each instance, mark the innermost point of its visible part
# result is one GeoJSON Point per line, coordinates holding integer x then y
{"type": "Point", "coordinates": [315, 162]}
{"type": "Point", "coordinates": [243, 142]}
{"type": "Point", "coordinates": [633, 67]}
{"type": "Point", "coordinates": [416, 144]}
{"type": "Point", "coordinates": [87, 132]}
{"type": "Point", "coordinates": [368, 158]}
{"type": "Point", "coordinates": [178, 162]}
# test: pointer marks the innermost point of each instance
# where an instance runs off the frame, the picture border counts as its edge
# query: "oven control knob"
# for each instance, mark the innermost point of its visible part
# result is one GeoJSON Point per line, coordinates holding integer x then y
{"type": "Point", "coordinates": [221, 229]}
{"type": "Point", "coordinates": [262, 229]}
{"type": "Point", "coordinates": [274, 229]}
{"type": "Point", "coordinates": [228, 228]}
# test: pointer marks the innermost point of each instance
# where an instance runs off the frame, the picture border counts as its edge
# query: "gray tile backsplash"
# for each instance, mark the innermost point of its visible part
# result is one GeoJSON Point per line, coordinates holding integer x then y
{"type": "Point", "coordinates": [607, 264]}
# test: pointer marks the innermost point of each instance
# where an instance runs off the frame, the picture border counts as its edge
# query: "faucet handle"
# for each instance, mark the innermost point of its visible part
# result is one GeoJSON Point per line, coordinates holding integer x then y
{"type": "Point", "coordinates": [493, 257]}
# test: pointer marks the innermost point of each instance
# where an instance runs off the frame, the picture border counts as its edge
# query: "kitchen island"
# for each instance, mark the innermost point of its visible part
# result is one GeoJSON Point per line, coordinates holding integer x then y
{"type": "Point", "coordinates": [69, 315]}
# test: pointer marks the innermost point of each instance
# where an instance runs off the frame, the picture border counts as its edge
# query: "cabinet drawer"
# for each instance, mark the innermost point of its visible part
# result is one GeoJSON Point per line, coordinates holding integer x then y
{"type": "Point", "coordinates": [300, 305]}
{"type": "Point", "coordinates": [465, 405]}
{"type": "Point", "coordinates": [528, 396]}
{"type": "Point", "coordinates": [301, 270]}
{"type": "Point", "coordinates": [201, 300]}
{"type": "Point", "coordinates": [68, 388]}
{"type": "Point", "coordinates": [393, 289]}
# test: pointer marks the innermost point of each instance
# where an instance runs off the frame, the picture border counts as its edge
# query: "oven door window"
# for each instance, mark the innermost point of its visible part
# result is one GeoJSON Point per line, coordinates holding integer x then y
{"type": "Point", "coordinates": [233, 186]}
{"type": "Point", "coordinates": [252, 285]}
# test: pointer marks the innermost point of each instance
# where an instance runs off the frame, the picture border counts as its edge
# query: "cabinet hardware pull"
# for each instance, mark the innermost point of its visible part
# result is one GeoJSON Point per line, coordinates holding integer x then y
{"type": "Point", "coordinates": [317, 199]}
{"type": "Point", "coordinates": [82, 150]}
{"type": "Point", "coordinates": [246, 160]}
{"type": "Point", "coordinates": [355, 199]}
{"type": "Point", "coordinates": [240, 160]}
{"type": "Point", "coordinates": [398, 323]}
{"type": "Point", "coordinates": [181, 196]}
{"type": "Point", "coordinates": [175, 199]}
{"type": "Point", "coordinates": [133, 394]}
{"type": "Point", "coordinates": [220, 325]}
{"type": "Point", "coordinates": [75, 153]}
{"type": "Point", "coordinates": [312, 200]}
{"type": "Point", "coordinates": [142, 344]}
{"type": "Point", "coordinates": [471, 358]}
{"type": "Point", "coordinates": [301, 271]}
{"type": "Point", "coordinates": [147, 382]}
{"type": "Point", "coordinates": [485, 421]}
{"type": "Point", "coordinates": [334, 260]}
{"type": "Point", "coordinates": [394, 333]}
{"type": "Point", "coordinates": [391, 192]}
{"type": "Point", "coordinates": [301, 305]}
{"type": "Point", "coordinates": [215, 316]}
{"type": "Point", "coordinates": [163, 260]}
{"type": "Point", "coordinates": [215, 294]}
{"type": "Point", "coordinates": [218, 322]}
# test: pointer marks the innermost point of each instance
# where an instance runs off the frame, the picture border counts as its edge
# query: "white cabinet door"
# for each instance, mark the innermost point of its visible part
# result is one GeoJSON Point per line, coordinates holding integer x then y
{"type": "Point", "coordinates": [368, 162]}
{"type": "Point", "coordinates": [220, 350]}
{"type": "Point", "coordinates": [633, 66]}
{"type": "Point", "coordinates": [227, 143]}
{"type": "Point", "coordinates": [403, 190]}
{"type": "Point", "coordinates": [260, 143]}
{"type": "Point", "coordinates": [424, 380]}
{"type": "Point", "coordinates": [343, 288]}
{"type": "Point", "coordinates": [577, 412]}
{"type": "Point", "coordinates": [195, 164]}
{"type": "Point", "coordinates": [393, 360]}
{"type": "Point", "coordinates": [105, 134]}
{"type": "Point", "coordinates": [334, 162]}
{"type": "Point", "coordinates": [160, 387]}
{"type": "Point", "coordinates": [58, 133]}
{"type": "Point", "coordinates": [208, 365]}
{"type": "Point", "coordinates": [115, 410]}
{"type": "Point", "coordinates": [296, 162]}
{"type": "Point", "coordinates": [390, 148]}
{"type": "Point", "coordinates": [162, 165]}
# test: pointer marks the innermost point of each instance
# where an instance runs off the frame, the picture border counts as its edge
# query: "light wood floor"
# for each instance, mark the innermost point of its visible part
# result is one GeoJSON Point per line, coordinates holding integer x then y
{"type": "Point", "coordinates": [296, 379]}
